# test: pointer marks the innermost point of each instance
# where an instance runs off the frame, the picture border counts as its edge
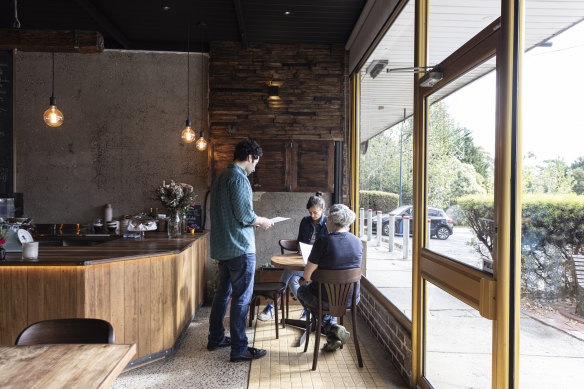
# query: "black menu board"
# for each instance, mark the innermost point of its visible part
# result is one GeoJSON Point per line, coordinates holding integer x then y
{"type": "Point", "coordinates": [194, 219]}
{"type": "Point", "coordinates": [6, 151]}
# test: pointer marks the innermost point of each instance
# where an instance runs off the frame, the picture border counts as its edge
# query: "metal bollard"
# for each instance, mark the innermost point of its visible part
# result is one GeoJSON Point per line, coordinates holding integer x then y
{"type": "Point", "coordinates": [379, 228]}
{"type": "Point", "coordinates": [391, 225]}
{"type": "Point", "coordinates": [429, 228]}
{"type": "Point", "coordinates": [369, 224]}
{"type": "Point", "coordinates": [406, 236]}
{"type": "Point", "coordinates": [361, 222]}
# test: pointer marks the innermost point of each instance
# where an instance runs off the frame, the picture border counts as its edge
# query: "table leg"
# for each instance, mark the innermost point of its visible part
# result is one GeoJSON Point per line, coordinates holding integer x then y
{"type": "Point", "coordinates": [301, 324]}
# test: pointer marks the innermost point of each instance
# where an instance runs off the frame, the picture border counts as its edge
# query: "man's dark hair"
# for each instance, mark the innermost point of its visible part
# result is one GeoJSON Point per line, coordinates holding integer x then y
{"type": "Point", "coordinates": [245, 148]}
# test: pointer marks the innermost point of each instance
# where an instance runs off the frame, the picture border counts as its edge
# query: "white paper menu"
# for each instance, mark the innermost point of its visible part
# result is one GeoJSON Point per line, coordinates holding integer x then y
{"type": "Point", "coordinates": [305, 249]}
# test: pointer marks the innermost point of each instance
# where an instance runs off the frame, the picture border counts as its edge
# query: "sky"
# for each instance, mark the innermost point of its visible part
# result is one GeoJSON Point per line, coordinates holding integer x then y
{"type": "Point", "coordinates": [553, 105]}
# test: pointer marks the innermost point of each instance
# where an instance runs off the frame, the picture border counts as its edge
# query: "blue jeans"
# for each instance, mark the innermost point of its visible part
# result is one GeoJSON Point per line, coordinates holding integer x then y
{"type": "Point", "coordinates": [292, 279]}
{"type": "Point", "coordinates": [235, 281]}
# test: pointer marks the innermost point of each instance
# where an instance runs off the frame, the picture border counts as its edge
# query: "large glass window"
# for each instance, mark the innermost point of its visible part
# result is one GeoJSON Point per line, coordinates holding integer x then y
{"type": "Point", "coordinates": [458, 343]}
{"type": "Point", "coordinates": [386, 157]}
{"type": "Point", "coordinates": [552, 301]}
{"type": "Point", "coordinates": [461, 145]}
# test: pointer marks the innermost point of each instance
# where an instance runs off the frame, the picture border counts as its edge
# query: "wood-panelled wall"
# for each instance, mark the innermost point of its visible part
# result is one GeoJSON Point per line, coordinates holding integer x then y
{"type": "Point", "coordinates": [148, 301]}
{"type": "Point", "coordinates": [311, 83]}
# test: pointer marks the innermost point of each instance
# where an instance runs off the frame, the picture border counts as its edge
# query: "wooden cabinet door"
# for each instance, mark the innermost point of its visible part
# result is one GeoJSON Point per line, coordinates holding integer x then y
{"type": "Point", "coordinates": [272, 172]}
{"type": "Point", "coordinates": [286, 166]}
{"type": "Point", "coordinates": [312, 166]}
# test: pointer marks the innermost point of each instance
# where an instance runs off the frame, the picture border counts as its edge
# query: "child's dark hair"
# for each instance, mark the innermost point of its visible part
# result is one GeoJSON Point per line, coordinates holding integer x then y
{"type": "Point", "coordinates": [316, 200]}
{"type": "Point", "coordinates": [247, 147]}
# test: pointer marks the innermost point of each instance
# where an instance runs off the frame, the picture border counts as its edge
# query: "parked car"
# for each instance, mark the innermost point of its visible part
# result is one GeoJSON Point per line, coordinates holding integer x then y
{"type": "Point", "coordinates": [441, 226]}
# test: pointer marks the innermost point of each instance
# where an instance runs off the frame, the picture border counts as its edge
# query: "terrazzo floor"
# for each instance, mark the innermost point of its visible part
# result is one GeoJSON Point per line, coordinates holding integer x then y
{"type": "Point", "coordinates": [285, 366]}
{"type": "Point", "coordinates": [192, 365]}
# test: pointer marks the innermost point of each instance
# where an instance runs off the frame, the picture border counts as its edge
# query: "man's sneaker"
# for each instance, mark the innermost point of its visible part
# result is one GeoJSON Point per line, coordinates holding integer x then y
{"type": "Point", "coordinates": [226, 343]}
{"type": "Point", "coordinates": [303, 316]}
{"type": "Point", "coordinates": [249, 354]}
{"type": "Point", "coordinates": [341, 333]}
{"type": "Point", "coordinates": [267, 313]}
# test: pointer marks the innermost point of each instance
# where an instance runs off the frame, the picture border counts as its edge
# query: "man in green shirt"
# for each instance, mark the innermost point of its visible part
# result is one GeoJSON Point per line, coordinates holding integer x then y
{"type": "Point", "coordinates": [233, 245]}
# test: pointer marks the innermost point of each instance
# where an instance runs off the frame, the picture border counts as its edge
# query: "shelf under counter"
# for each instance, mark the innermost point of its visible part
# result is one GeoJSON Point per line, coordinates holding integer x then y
{"type": "Point", "coordinates": [148, 289]}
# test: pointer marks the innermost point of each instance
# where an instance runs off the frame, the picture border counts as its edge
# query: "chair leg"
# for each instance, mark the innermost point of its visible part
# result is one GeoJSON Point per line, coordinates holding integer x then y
{"type": "Point", "coordinates": [355, 338]}
{"type": "Point", "coordinates": [282, 304]}
{"type": "Point", "coordinates": [251, 310]}
{"type": "Point", "coordinates": [287, 303]}
{"type": "Point", "coordinates": [275, 298]}
{"type": "Point", "coordinates": [307, 330]}
{"type": "Point", "coordinates": [317, 340]}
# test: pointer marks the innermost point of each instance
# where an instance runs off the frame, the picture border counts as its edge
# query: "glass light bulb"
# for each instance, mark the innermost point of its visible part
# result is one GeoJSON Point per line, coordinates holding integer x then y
{"type": "Point", "coordinates": [53, 117]}
{"type": "Point", "coordinates": [201, 144]}
{"type": "Point", "coordinates": [188, 135]}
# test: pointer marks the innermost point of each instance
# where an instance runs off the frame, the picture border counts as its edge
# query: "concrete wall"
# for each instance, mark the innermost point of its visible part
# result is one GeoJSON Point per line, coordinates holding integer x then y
{"type": "Point", "coordinates": [124, 113]}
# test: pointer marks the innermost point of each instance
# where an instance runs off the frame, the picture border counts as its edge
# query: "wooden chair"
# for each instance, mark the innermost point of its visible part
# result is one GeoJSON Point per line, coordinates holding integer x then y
{"type": "Point", "coordinates": [288, 245]}
{"type": "Point", "coordinates": [67, 331]}
{"type": "Point", "coordinates": [338, 285]}
{"type": "Point", "coordinates": [268, 290]}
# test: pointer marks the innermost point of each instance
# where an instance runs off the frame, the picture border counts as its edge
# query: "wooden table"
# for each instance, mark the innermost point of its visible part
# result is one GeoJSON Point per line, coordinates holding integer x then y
{"type": "Point", "coordinates": [63, 365]}
{"type": "Point", "coordinates": [291, 261]}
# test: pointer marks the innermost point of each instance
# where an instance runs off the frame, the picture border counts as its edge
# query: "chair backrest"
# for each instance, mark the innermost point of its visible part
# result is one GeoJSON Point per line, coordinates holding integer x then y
{"type": "Point", "coordinates": [338, 285]}
{"type": "Point", "coordinates": [67, 331]}
{"type": "Point", "coordinates": [288, 244]}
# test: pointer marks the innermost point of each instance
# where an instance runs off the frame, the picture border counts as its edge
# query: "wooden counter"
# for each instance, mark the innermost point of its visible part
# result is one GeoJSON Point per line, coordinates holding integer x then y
{"type": "Point", "coordinates": [147, 289]}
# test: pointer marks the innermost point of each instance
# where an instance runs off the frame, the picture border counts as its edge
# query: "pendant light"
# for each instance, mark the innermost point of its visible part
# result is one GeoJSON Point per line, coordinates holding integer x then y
{"type": "Point", "coordinates": [188, 135]}
{"type": "Point", "coordinates": [52, 116]}
{"type": "Point", "coordinates": [202, 142]}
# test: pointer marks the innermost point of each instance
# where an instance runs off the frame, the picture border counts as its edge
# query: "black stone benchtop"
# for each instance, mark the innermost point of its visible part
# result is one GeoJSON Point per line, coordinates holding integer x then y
{"type": "Point", "coordinates": [121, 249]}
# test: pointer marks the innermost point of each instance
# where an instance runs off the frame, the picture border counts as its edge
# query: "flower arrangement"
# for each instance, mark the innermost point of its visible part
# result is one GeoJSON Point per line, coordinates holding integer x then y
{"type": "Point", "coordinates": [176, 197]}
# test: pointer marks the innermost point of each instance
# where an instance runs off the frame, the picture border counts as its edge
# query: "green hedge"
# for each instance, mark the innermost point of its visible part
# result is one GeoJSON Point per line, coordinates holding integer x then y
{"type": "Point", "coordinates": [552, 230]}
{"type": "Point", "coordinates": [378, 201]}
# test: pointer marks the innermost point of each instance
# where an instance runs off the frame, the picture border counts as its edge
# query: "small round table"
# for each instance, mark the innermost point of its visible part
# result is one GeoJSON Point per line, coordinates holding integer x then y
{"type": "Point", "coordinates": [291, 261]}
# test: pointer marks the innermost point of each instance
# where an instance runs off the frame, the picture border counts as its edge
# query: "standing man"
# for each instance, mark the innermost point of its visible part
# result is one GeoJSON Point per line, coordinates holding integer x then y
{"type": "Point", "coordinates": [233, 245]}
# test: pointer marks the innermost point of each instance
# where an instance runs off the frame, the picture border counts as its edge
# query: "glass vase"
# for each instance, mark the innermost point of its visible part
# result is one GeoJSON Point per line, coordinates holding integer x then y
{"type": "Point", "coordinates": [174, 225]}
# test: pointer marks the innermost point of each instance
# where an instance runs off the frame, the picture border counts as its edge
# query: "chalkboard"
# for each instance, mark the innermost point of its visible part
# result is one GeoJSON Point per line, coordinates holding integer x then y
{"type": "Point", "coordinates": [6, 151]}
{"type": "Point", "coordinates": [194, 219]}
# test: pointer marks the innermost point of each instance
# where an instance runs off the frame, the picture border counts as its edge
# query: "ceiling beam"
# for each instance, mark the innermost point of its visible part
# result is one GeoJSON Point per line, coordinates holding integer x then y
{"type": "Point", "coordinates": [240, 22]}
{"type": "Point", "coordinates": [59, 41]}
{"type": "Point", "coordinates": [104, 22]}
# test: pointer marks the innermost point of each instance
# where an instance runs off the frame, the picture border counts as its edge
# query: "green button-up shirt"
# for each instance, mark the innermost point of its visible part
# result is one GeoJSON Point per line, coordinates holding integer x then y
{"type": "Point", "coordinates": [232, 215]}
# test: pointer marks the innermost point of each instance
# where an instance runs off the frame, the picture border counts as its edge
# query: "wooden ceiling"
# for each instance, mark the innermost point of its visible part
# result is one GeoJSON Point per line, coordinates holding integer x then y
{"type": "Point", "coordinates": [146, 25]}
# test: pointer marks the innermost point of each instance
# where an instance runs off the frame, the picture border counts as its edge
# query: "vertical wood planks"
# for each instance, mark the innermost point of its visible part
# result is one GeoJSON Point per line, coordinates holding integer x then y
{"type": "Point", "coordinates": [144, 317]}
{"type": "Point", "coordinates": [148, 301]}
{"type": "Point", "coordinates": [156, 305]}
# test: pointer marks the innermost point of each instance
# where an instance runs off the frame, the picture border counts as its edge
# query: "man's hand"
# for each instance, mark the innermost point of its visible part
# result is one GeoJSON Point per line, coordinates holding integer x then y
{"type": "Point", "coordinates": [264, 223]}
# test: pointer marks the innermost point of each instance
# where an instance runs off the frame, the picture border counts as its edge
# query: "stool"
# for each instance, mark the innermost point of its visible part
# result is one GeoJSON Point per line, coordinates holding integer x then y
{"type": "Point", "coordinates": [272, 291]}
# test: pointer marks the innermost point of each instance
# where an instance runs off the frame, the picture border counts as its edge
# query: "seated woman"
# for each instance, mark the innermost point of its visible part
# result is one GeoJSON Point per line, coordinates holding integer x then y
{"type": "Point", "coordinates": [336, 251]}
{"type": "Point", "coordinates": [311, 227]}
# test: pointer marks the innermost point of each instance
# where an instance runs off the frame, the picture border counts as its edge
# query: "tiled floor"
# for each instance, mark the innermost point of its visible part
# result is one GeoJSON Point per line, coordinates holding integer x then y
{"type": "Point", "coordinates": [285, 366]}
{"type": "Point", "coordinates": [288, 366]}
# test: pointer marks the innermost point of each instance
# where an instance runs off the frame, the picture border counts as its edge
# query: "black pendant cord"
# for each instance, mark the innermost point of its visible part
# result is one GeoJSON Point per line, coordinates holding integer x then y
{"type": "Point", "coordinates": [202, 25]}
{"type": "Point", "coordinates": [188, 74]}
{"type": "Point", "coordinates": [53, 78]}
{"type": "Point", "coordinates": [202, 90]}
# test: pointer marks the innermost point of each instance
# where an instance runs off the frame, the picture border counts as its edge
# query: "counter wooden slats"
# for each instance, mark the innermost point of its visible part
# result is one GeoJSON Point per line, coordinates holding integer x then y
{"type": "Point", "coordinates": [148, 300]}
